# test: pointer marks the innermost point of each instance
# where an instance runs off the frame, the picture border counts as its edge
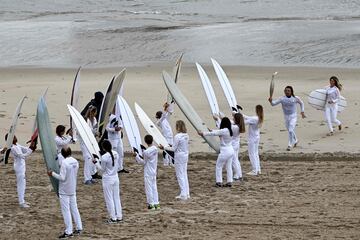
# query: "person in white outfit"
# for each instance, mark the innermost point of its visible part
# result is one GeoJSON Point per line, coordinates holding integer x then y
{"type": "Point", "coordinates": [254, 123]}
{"type": "Point", "coordinates": [149, 159]}
{"type": "Point", "coordinates": [164, 125]}
{"type": "Point", "coordinates": [20, 153]}
{"type": "Point", "coordinates": [67, 193]}
{"type": "Point", "coordinates": [62, 140]}
{"type": "Point", "coordinates": [331, 105]}
{"type": "Point", "coordinates": [237, 126]}
{"type": "Point", "coordinates": [226, 151]}
{"type": "Point", "coordinates": [288, 103]}
{"type": "Point", "coordinates": [110, 181]}
{"type": "Point", "coordinates": [114, 128]}
{"type": "Point", "coordinates": [181, 158]}
{"type": "Point", "coordinates": [89, 167]}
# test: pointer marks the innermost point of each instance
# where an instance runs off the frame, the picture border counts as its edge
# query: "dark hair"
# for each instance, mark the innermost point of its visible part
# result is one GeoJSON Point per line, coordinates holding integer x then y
{"type": "Point", "coordinates": [106, 145]}
{"type": "Point", "coordinates": [239, 120]}
{"type": "Point", "coordinates": [291, 89]}
{"type": "Point", "coordinates": [260, 113]}
{"type": "Point", "coordinates": [66, 152]}
{"type": "Point", "coordinates": [148, 139]}
{"type": "Point", "coordinates": [60, 129]}
{"type": "Point", "coordinates": [225, 123]}
{"type": "Point", "coordinates": [98, 97]}
{"type": "Point", "coordinates": [158, 114]}
{"type": "Point", "coordinates": [337, 82]}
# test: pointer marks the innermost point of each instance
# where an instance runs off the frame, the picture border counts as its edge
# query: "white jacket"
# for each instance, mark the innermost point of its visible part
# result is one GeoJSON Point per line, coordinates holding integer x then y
{"type": "Point", "coordinates": [106, 166]}
{"type": "Point", "coordinates": [149, 160]}
{"type": "Point", "coordinates": [110, 127]}
{"type": "Point", "coordinates": [289, 104]}
{"type": "Point", "coordinates": [67, 177]}
{"type": "Point", "coordinates": [19, 153]}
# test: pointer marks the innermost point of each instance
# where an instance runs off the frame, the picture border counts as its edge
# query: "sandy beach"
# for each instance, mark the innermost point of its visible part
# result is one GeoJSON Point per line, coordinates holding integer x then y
{"type": "Point", "coordinates": [145, 86]}
{"type": "Point", "coordinates": [311, 192]}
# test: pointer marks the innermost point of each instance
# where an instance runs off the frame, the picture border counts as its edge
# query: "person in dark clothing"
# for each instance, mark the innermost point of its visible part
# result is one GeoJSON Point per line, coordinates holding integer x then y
{"type": "Point", "coordinates": [96, 102]}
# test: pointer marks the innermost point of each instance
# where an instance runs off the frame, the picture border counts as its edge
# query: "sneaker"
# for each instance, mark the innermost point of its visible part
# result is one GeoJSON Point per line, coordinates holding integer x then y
{"type": "Point", "coordinates": [218, 184]}
{"type": "Point", "coordinates": [123, 171]}
{"type": "Point", "coordinates": [236, 179]}
{"type": "Point", "coordinates": [157, 206]}
{"type": "Point", "coordinates": [88, 182]}
{"type": "Point", "coordinates": [330, 134]}
{"type": "Point", "coordinates": [65, 235]}
{"type": "Point", "coordinates": [288, 148]}
{"type": "Point", "coordinates": [340, 127]}
{"type": "Point", "coordinates": [295, 144]}
{"type": "Point", "coordinates": [178, 197]}
{"type": "Point", "coordinates": [96, 176]}
{"type": "Point", "coordinates": [228, 184]}
{"type": "Point", "coordinates": [251, 173]}
{"type": "Point", "coordinates": [77, 232]}
{"type": "Point", "coordinates": [119, 220]}
{"type": "Point", "coordinates": [111, 221]}
{"type": "Point", "coordinates": [24, 205]}
{"type": "Point", "coordinates": [151, 207]}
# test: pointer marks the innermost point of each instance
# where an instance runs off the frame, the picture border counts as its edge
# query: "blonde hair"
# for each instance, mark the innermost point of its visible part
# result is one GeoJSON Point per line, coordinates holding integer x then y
{"type": "Point", "coordinates": [239, 120]}
{"type": "Point", "coordinates": [92, 109]}
{"type": "Point", "coordinates": [180, 126]}
{"type": "Point", "coordinates": [260, 113]}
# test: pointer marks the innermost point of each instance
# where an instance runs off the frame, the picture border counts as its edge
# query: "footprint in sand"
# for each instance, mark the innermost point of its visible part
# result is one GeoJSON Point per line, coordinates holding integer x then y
{"type": "Point", "coordinates": [4, 103]}
{"type": "Point", "coordinates": [282, 130]}
{"type": "Point", "coordinates": [322, 124]}
{"type": "Point", "coordinates": [356, 123]}
{"type": "Point", "coordinates": [2, 115]}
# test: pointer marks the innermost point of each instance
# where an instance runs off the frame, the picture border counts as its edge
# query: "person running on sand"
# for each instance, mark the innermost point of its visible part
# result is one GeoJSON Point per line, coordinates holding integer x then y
{"type": "Point", "coordinates": [288, 103]}
{"type": "Point", "coordinates": [67, 193]}
{"type": "Point", "coordinates": [181, 158]}
{"type": "Point", "coordinates": [110, 182]}
{"type": "Point", "coordinates": [254, 123]}
{"type": "Point", "coordinates": [20, 153]}
{"type": "Point", "coordinates": [331, 105]}
{"type": "Point", "coordinates": [226, 151]}
{"type": "Point", "coordinates": [149, 160]}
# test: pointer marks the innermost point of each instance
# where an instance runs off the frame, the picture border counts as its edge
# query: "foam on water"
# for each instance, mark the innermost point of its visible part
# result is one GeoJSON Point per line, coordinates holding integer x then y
{"type": "Point", "coordinates": [111, 33]}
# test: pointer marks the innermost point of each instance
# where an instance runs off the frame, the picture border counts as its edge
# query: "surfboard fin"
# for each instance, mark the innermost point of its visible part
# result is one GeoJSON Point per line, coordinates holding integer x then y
{"type": "Point", "coordinates": [142, 147]}
{"type": "Point", "coordinates": [239, 107]}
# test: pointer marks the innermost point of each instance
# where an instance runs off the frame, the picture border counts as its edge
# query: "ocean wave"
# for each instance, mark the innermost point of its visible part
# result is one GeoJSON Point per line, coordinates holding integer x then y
{"type": "Point", "coordinates": [277, 19]}
{"type": "Point", "coordinates": [151, 28]}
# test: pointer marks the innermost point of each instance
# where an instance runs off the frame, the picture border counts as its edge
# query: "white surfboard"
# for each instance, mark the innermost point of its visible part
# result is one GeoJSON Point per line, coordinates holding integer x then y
{"type": "Point", "coordinates": [189, 111]}
{"type": "Point", "coordinates": [317, 99]}
{"type": "Point", "coordinates": [84, 131]}
{"type": "Point", "coordinates": [75, 95]}
{"type": "Point", "coordinates": [12, 129]}
{"type": "Point", "coordinates": [176, 74]}
{"type": "Point", "coordinates": [130, 125]}
{"type": "Point", "coordinates": [110, 100]}
{"type": "Point", "coordinates": [150, 127]}
{"type": "Point", "coordinates": [225, 85]}
{"type": "Point", "coordinates": [272, 84]}
{"type": "Point", "coordinates": [209, 91]}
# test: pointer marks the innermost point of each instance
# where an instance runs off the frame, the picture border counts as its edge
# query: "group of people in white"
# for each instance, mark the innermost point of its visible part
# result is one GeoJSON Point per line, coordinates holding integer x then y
{"type": "Point", "coordinates": [176, 154]}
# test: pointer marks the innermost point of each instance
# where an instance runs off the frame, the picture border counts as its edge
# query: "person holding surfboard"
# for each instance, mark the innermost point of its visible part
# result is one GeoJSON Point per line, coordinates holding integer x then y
{"type": "Point", "coordinates": [67, 192]}
{"type": "Point", "coordinates": [254, 123]}
{"type": "Point", "coordinates": [149, 159]}
{"type": "Point", "coordinates": [96, 102]}
{"type": "Point", "coordinates": [89, 167]}
{"type": "Point", "coordinates": [288, 103]}
{"type": "Point", "coordinates": [331, 105]}
{"type": "Point", "coordinates": [226, 151]}
{"type": "Point", "coordinates": [114, 128]}
{"type": "Point", "coordinates": [62, 140]}
{"type": "Point", "coordinates": [110, 182]}
{"type": "Point", "coordinates": [181, 158]}
{"type": "Point", "coordinates": [163, 123]}
{"type": "Point", "coordinates": [20, 153]}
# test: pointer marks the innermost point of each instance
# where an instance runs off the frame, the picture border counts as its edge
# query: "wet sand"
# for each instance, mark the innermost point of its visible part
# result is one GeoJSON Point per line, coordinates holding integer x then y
{"type": "Point", "coordinates": [309, 197]}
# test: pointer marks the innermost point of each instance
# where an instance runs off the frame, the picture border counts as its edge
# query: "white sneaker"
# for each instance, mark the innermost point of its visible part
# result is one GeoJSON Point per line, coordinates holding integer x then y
{"type": "Point", "coordinates": [178, 197]}
{"type": "Point", "coordinates": [24, 205]}
{"type": "Point", "coordinates": [252, 173]}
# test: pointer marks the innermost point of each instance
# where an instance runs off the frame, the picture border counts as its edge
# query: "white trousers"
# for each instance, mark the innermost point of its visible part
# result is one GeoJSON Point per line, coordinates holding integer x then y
{"type": "Point", "coordinates": [89, 166]}
{"type": "Point", "coordinates": [225, 157]}
{"type": "Point", "coordinates": [290, 123]}
{"type": "Point", "coordinates": [236, 165]}
{"type": "Point", "coordinates": [69, 208]}
{"type": "Point", "coordinates": [253, 148]}
{"type": "Point", "coordinates": [117, 145]}
{"type": "Point", "coordinates": [331, 115]}
{"type": "Point", "coordinates": [111, 190]}
{"type": "Point", "coordinates": [20, 184]}
{"type": "Point", "coordinates": [152, 196]}
{"type": "Point", "coordinates": [181, 174]}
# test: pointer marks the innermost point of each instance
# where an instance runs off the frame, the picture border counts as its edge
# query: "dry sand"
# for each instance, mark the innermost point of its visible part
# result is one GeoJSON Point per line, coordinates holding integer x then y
{"type": "Point", "coordinates": [315, 199]}
{"type": "Point", "coordinates": [311, 192]}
